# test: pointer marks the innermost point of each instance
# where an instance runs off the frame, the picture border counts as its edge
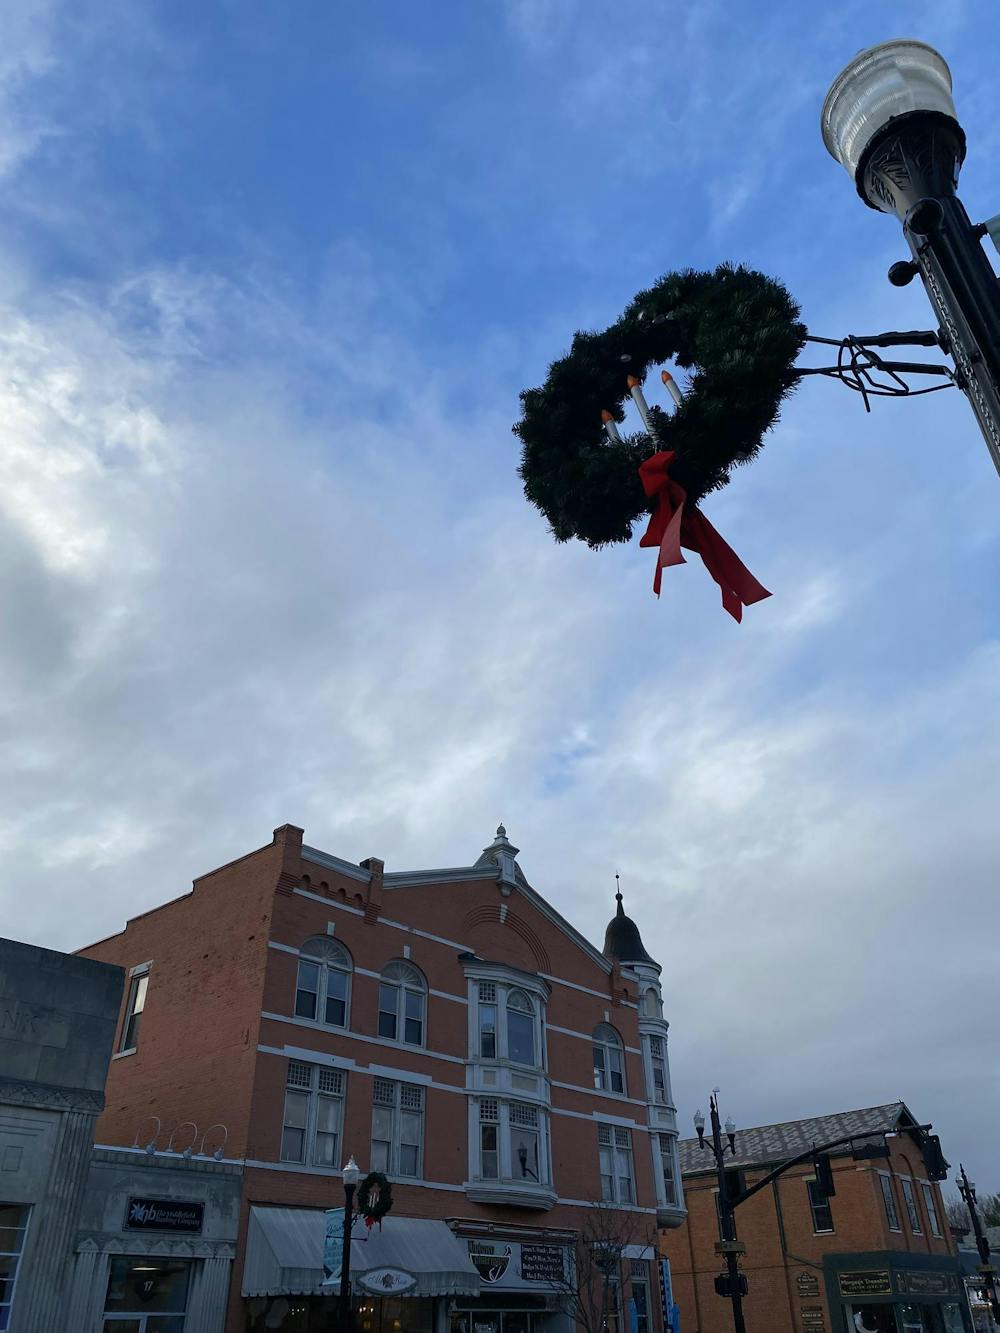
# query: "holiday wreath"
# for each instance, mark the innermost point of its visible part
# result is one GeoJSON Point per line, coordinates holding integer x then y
{"type": "Point", "coordinates": [374, 1198]}
{"type": "Point", "coordinates": [739, 332]}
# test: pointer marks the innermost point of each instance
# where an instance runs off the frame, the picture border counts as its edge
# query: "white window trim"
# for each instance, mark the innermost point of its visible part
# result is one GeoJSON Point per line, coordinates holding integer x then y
{"type": "Point", "coordinates": [616, 1148]}
{"type": "Point", "coordinates": [312, 1115]}
{"type": "Point", "coordinates": [607, 1047]}
{"type": "Point", "coordinates": [505, 1137]}
{"type": "Point", "coordinates": [325, 968]}
{"type": "Point", "coordinates": [395, 1138]}
{"type": "Point", "coordinates": [136, 974]}
{"type": "Point", "coordinates": [887, 1175]}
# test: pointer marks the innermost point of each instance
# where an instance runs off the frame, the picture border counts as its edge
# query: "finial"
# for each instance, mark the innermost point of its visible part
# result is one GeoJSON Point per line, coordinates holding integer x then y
{"type": "Point", "coordinates": [618, 886]}
{"type": "Point", "coordinates": [501, 831]}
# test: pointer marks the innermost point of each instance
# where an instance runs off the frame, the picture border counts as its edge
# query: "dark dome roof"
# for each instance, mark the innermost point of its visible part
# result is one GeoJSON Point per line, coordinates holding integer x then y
{"type": "Point", "coordinates": [622, 939]}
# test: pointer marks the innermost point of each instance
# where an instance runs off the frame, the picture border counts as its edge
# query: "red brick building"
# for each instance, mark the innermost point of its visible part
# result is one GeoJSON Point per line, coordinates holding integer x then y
{"type": "Point", "coordinates": [448, 1027]}
{"type": "Point", "coordinates": [879, 1251]}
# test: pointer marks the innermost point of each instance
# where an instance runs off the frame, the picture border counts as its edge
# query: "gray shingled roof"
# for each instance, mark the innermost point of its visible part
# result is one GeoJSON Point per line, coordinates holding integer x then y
{"type": "Point", "coordinates": [768, 1144]}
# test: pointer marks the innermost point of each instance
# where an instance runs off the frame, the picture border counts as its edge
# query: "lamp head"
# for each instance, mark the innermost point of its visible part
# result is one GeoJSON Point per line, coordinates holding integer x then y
{"type": "Point", "coordinates": [351, 1173]}
{"type": "Point", "coordinates": [699, 1124]}
{"type": "Point", "coordinates": [906, 85]}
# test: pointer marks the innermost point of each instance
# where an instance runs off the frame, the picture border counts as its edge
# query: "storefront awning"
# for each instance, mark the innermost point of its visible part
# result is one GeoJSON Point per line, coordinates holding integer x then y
{"type": "Point", "coordinates": [285, 1254]}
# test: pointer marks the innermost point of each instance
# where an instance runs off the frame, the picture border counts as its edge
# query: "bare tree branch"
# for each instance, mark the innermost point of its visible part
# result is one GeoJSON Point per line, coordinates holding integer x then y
{"type": "Point", "coordinates": [596, 1274]}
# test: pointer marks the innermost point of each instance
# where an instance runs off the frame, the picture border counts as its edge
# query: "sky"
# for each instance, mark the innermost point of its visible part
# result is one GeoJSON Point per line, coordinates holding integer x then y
{"type": "Point", "coordinates": [271, 279]}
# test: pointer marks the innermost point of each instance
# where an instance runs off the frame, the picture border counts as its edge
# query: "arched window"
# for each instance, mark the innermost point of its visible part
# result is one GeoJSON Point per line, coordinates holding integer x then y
{"type": "Point", "coordinates": [402, 996]}
{"type": "Point", "coordinates": [520, 1028]}
{"type": "Point", "coordinates": [651, 1005]}
{"type": "Point", "coordinates": [609, 1059]}
{"type": "Point", "coordinates": [323, 988]}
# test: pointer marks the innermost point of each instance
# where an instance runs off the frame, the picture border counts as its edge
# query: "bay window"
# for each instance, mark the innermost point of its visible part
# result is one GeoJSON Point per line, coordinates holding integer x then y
{"type": "Point", "coordinates": [664, 1153]}
{"type": "Point", "coordinates": [512, 1142]}
{"type": "Point", "coordinates": [507, 1024]}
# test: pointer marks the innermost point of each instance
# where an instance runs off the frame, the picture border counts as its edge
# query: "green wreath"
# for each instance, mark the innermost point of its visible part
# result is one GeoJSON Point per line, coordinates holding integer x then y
{"type": "Point", "coordinates": [736, 328]}
{"type": "Point", "coordinates": [374, 1197]}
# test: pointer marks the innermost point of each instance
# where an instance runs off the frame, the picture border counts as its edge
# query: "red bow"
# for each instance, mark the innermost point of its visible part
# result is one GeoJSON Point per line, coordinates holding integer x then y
{"type": "Point", "coordinates": [670, 528]}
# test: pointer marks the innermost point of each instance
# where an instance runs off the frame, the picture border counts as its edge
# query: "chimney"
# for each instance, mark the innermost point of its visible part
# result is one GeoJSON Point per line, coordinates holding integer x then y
{"type": "Point", "coordinates": [373, 902]}
{"type": "Point", "coordinates": [288, 840]}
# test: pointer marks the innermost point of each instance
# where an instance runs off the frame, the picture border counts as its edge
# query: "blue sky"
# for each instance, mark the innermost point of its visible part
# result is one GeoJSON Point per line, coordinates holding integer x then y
{"type": "Point", "coordinates": [273, 276]}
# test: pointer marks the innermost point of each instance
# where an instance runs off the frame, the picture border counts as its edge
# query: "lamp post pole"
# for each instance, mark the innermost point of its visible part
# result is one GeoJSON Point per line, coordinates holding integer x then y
{"type": "Point", "coordinates": [728, 1245]}
{"type": "Point", "coordinates": [889, 119]}
{"type": "Point", "coordinates": [987, 1273]}
{"type": "Point", "coordinates": [351, 1175]}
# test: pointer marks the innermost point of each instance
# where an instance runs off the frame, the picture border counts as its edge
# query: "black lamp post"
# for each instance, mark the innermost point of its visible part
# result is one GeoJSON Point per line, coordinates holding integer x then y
{"type": "Point", "coordinates": [733, 1282]}
{"type": "Point", "coordinates": [890, 121]}
{"type": "Point", "coordinates": [351, 1174]}
{"type": "Point", "coordinates": [987, 1273]}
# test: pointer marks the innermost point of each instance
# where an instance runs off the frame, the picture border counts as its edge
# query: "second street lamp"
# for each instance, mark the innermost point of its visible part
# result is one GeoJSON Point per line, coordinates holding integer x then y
{"type": "Point", "coordinates": [890, 121]}
{"type": "Point", "coordinates": [732, 1283]}
{"type": "Point", "coordinates": [987, 1273]}
{"type": "Point", "coordinates": [351, 1174]}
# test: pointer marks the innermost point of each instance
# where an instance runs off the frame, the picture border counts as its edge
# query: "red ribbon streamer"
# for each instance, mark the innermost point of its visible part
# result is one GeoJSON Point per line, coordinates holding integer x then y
{"type": "Point", "coordinates": [671, 527]}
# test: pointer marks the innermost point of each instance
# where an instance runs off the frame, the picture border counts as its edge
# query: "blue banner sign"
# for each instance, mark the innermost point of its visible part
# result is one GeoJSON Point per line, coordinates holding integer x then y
{"type": "Point", "coordinates": [333, 1246]}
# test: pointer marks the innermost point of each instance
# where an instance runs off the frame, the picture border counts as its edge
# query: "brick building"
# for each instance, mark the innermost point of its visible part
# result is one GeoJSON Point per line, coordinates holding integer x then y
{"type": "Point", "coordinates": [449, 1027]}
{"type": "Point", "coordinates": [878, 1256]}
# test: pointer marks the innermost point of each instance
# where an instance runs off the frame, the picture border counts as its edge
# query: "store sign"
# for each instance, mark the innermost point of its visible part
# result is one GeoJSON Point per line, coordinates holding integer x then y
{"type": "Point", "coordinates": [542, 1263]}
{"type": "Point", "coordinates": [386, 1281]}
{"type": "Point", "coordinates": [866, 1283]}
{"type": "Point", "coordinates": [812, 1319]}
{"type": "Point", "coordinates": [808, 1284]}
{"type": "Point", "coordinates": [491, 1260]}
{"type": "Point", "coordinates": [928, 1284]}
{"type": "Point", "coordinates": [164, 1215]}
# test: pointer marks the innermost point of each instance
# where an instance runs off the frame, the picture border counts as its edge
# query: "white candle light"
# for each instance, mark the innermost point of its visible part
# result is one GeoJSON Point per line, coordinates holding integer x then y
{"type": "Point", "coordinates": [610, 429]}
{"type": "Point", "coordinates": [635, 389]}
{"type": "Point", "coordinates": [673, 388]}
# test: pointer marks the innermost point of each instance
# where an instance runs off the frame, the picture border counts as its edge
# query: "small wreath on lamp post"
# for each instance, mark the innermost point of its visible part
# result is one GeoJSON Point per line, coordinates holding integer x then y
{"type": "Point", "coordinates": [374, 1198]}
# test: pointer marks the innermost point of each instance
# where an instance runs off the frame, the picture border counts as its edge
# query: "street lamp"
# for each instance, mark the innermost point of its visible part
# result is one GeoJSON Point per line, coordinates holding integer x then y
{"type": "Point", "coordinates": [350, 1174]}
{"type": "Point", "coordinates": [733, 1282]}
{"type": "Point", "coordinates": [890, 121]}
{"type": "Point", "coordinates": [987, 1273]}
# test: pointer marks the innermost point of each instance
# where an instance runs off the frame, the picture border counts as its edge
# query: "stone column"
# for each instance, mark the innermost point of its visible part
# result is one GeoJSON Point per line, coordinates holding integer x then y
{"type": "Point", "coordinates": [87, 1287]}
{"type": "Point", "coordinates": [39, 1304]}
{"type": "Point", "coordinates": [206, 1311]}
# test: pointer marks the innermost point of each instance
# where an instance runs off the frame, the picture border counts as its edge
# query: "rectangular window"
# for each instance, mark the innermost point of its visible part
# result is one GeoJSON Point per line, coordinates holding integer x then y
{"type": "Point", "coordinates": [414, 1026]}
{"type": "Point", "coordinates": [307, 990]}
{"type": "Point", "coordinates": [910, 1199]}
{"type": "Point", "coordinates": [133, 1012]}
{"type": "Point", "coordinates": [397, 1127]}
{"type": "Point", "coordinates": [524, 1141]}
{"type": "Point", "coordinates": [931, 1205]}
{"type": "Point", "coordinates": [659, 1067]}
{"type": "Point", "coordinates": [387, 1001]}
{"type": "Point", "coordinates": [889, 1199]}
{"type": "Point", "coordinates": [614, 1304]}
{"type": "Point", "coordinates": [13, 1225]}
{"type": "Point", "coordinates": [336, 997]}
{"type": "Point", "coordinates": [667, 1167]}
{"type": "Point", "coordinates": [640, 1294]}
{"type": "Point", "coordinates": [314, 1110]}
{"type": "Point", "coordinates": [489, 1139]}
{"type": "Point", "coordinates": [487, 1029]}
{"type": "Point", "coordinates": [520, 1037]}
{"type": "Point", "coordinates": [615, 1151]}
{"type": "Point", "coordinates": [822, 1216]}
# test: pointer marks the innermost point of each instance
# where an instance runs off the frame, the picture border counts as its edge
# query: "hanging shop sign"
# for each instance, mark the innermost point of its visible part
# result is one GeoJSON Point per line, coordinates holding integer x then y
{"type": "Point", "coordinates": [866, 1283]}
{"type": "Point", "coordinates": [164, 1215]}
{"type": "Point", "coordinates": [386, 1281]}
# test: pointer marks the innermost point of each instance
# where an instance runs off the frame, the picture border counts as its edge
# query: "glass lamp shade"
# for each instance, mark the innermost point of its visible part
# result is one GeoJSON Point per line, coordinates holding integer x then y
{"type": "Point", "coordinates": [351, 1173]}
{"type": "Point", "coordinates": [879, 84]}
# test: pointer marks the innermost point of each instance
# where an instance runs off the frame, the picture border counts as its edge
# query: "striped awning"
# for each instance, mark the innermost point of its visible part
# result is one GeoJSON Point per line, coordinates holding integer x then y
{"type": "Point", "coordinates": [285, 1254]}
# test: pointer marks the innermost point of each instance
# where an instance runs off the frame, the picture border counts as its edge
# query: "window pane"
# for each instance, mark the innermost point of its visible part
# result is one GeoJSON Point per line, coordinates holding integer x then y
{"type": "Point", "coordinates": [600, 1072]}
{"type": "Point", "coordinates": [617, 1074]}
{"type": "Point", "coordinates": [293, 1145]}
{"type": "Point", "coordinates": [607, 1175]}
{"type": "Point", "coordinates": [155, 1285]}
{"type": "Point", "coordinates": [488, 1031]}
{"type": "Point", "coordinates": [667, 1164]}
{"type": "Point", "coordinates": [381, 1123]}
{"type": "Point", "coordinates": [409, 1155]}
{"type": "Point", "coordinates": [931, 1207]}
{"type": "Point", "coordinates": [326, 1150]}
{"type": "Point", "coordinates": [520, 1037]}
{"type": "Point", "coordinates": [524, 1154]}
{"type": "Point", "coordinates": [296, 1109]}
{"type": "Point", "coordinates": [336, 1011]}
{"type": "Point", "coordinates": [380, 1155]}
{"type": "Point", "coordinates": [890, 1203]}
{"type": "Point", "coordinates": [139, 998]}
{"type": "Point", "coordinates": [414, 1032]}
{"type": "Point", "coordinates": [659, 1082]}
{"type": "Point", "coordinates": [490, 1163]}
{"type": "Point", "coordinates": [131, 1038]}
{"type": "Point", "coordinates": [821, 1212]}
{"type": "Point", "coordinates": [640, 1294]}
{"type": "Point", "coordinates": [414, 1005]}
{"type": "Point", "coordinates": [909, 1198]}
{"type": "Point", "coordinates": [327, 1115]}
{"type": "Point", "coordinates": [387, 1000]}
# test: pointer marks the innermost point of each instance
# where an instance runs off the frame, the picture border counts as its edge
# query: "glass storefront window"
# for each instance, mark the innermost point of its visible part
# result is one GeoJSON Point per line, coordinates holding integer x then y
{"type": "Point", "coordinates": [13, 1225]}
{"type": "Point", "coordinates": [871, 1319]}
{"type": "Point", "coordinates": [146, 1294]}
{"type": "Point", "coordinates": [912, 1319]}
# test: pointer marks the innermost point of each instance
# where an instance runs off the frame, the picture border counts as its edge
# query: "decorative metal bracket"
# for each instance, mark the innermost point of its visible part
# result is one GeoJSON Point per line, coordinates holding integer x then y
{"type": "Point", "coordinates": [860, 367]}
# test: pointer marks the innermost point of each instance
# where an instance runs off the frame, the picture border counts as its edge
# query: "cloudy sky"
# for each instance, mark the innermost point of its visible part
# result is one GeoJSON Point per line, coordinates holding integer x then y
{"type": "Point", "coordinates": [272, 277]}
